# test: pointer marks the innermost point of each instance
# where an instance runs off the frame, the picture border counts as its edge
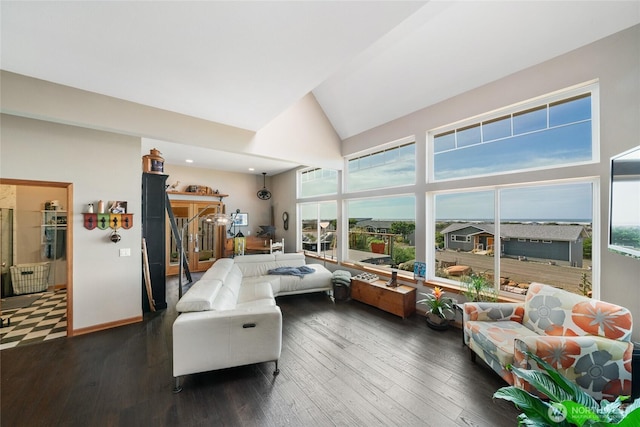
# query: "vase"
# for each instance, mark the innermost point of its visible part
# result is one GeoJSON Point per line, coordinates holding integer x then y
{"type": "Point", "coordinates": [436, 322]}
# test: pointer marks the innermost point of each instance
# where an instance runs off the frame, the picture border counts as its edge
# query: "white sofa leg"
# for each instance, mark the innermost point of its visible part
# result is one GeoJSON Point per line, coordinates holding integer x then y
{"type": "Point", "coordinates": [177, 388]}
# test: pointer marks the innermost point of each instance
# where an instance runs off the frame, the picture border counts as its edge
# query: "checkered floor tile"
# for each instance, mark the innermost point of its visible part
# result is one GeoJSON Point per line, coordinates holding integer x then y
{"type": "Point", "coordinates": [44, 319]}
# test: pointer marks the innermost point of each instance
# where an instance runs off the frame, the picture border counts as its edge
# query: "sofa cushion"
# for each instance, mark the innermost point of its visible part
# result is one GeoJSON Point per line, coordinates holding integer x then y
{"type": "Point", "coordinates": [256, 295]}
{"type": "Point", "coordinates": [225, 300]}
{"type": "Point", "coordinates": [290, 260]}
{"type": "Point", "coordinates": [255, 265]}
{"type": "Point", "coordinates": [200, 297]}
{"type": "Point", "coordinates": [234, 280]}
{"type": "Point", "coordinates": [219, 269]}
{"type": "Point", "coordinates": [320, 279]}
{"type": "Point", "coordinates": [553, 311]}
{"type": "Point", "coordinates": [255, 291]}
{"type": "Point", "coordinates": [272, 279]}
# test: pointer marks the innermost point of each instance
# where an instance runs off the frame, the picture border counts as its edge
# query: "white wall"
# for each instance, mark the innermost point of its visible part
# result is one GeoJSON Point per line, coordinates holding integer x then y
{"type": "Point", "coordinates": [302, 129]}
{"type": "Point", "coordinates": [101, 165]}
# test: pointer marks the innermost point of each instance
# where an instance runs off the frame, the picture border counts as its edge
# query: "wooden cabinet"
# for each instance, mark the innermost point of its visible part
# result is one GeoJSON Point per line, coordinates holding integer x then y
{"type": "Point", "coordinates": [400, 301]}
{"type": "Point", "coordinates": [204, 240]}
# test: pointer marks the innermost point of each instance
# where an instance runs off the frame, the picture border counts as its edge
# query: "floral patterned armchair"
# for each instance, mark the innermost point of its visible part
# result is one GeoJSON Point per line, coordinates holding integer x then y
{"type": "Point", "coordinates": [588, 341]}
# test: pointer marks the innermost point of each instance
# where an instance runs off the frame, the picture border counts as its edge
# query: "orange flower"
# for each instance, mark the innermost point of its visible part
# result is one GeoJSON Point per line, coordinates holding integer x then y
{"type": "Point", "coordinates": [558, 352]}
{"type": "Point", "coordinates": [601, 318]}
{"type": "Point", "coordinates": [437, 292]}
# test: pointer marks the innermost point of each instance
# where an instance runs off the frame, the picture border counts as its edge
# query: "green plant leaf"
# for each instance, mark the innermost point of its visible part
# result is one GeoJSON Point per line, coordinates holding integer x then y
{"type": "Point", "coordinates": [579, 414]}
{"type": "Point", "coordinates": [632, 407]}
{"type": "Point", "coordinates": [577, 394]}
{"type": "Point", "coordinates": [632, 418]}
{"type": "Point", "coordinates": [544, 383]}
{"type": "Point", "coordinates": [534, 408]}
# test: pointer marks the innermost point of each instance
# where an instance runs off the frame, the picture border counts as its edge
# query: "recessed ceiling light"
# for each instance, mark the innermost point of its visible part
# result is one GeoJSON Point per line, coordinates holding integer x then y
{"type": "Point", "coordinates": [189, 161]}
{"type": "Point", "coordinates": [251, 169]}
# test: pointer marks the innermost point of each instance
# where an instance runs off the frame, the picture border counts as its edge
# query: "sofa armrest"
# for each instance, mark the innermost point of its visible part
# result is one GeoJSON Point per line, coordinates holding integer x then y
{"type": "Point", "coordinates": [601, 366]}
{"type": "Point", "coordinates": [209, 340]}
{"type": "Point", "coordinates": [493, 311]}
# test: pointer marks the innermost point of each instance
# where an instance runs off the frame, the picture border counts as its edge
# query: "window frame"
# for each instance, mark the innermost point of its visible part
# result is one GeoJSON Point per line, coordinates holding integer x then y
{"type": "Point", "coordinates": [300, 182]}
{"type": "Point", "coordinates": [550, 99]}
{"type": "Point", "coordinates": [379, 149]}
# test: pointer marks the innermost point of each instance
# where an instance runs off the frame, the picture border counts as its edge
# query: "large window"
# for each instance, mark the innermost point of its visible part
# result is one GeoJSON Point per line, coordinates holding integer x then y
{"type": "Point", "coordinates": [317, 182]}
{"type": "Point", "coordinates": [390, 167]}
{"type": "Point", "coordinates": [381, 231]}
{"type": "Point", "coordinates": [544, 235]}
{"type": "Point", "coordinates": [551, 132]}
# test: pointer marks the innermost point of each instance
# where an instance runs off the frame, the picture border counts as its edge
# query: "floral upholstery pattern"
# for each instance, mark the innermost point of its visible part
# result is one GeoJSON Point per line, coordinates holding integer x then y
{"type": "Point", "coordinates": [588, 341]}
{"type": "Point", "coordinates": [552, 311]}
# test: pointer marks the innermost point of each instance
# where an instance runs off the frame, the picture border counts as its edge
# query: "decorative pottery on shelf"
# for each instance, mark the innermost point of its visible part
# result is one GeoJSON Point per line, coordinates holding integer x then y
{"type": "Point", "coordinates": [436, 322]}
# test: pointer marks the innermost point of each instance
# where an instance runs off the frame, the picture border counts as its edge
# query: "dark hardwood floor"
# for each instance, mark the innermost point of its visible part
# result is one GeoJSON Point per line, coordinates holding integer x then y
{"type": "Point", "coordinates": [343, 364]}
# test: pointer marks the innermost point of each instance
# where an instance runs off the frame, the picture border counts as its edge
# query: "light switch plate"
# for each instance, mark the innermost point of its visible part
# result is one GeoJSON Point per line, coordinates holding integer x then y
{"type": "Point", "coordinates": [125, 252]}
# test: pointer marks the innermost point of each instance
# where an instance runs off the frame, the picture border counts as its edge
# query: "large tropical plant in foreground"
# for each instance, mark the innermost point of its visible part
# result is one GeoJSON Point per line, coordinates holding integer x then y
{"type": "Point", "coordinates": [567, 404]}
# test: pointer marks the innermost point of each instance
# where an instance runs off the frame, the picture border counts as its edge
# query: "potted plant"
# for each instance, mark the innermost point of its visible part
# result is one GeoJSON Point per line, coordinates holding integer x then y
{"type": "Point", "coordinates": [565, 404]}
{"type": "Point", "coordinates": [477, 288]}
{"type": "Point", "coordinates": [377, 246]}
{"type": "Point", "coordinates": [439, 308]}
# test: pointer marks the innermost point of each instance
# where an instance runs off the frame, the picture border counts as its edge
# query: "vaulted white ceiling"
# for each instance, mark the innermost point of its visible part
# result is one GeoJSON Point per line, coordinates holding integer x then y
{"type": "Point", "coordinates": [243, 63]}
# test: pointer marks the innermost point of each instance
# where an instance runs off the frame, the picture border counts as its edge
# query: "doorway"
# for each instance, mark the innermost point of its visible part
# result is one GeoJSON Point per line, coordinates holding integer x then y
{"type": "Point", "coordinates": [37, 243]}
{"type": "Point", "coordinates": [203, 239]}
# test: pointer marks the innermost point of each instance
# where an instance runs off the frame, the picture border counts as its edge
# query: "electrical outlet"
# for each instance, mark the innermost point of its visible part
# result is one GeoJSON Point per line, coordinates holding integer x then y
{"type": "Point", "coordinates": [125, 252]}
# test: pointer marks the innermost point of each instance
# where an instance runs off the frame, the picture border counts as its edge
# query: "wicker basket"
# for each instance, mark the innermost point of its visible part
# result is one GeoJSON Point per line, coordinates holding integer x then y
{"type": "Point", "coordinates": [30, 278]}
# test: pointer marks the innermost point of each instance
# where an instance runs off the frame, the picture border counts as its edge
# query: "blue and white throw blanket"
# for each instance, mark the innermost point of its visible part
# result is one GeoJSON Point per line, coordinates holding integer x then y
{"type": "Point", "coordinates": [292, 271]}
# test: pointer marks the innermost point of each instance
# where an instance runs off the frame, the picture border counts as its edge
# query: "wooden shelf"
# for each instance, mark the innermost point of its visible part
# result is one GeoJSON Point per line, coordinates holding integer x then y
{"type": "Point", "coordinates": [189, 193]}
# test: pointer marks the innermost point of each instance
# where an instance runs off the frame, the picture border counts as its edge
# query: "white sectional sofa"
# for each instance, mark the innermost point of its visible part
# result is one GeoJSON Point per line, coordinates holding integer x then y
{"type": "Point", "coordinates": [230, 318]}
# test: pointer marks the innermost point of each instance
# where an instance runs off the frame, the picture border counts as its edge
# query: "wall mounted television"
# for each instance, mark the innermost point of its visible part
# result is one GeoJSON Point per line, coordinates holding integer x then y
{"type": "Point", "coordinates": [624, 203]}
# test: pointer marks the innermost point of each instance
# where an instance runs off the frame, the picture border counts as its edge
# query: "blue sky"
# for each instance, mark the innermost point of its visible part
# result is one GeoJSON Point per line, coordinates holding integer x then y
{"type": "Point", "coordinates": [556, 202]}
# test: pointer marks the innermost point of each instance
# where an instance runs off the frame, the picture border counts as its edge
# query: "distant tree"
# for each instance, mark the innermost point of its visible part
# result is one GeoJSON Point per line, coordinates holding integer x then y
{"type": "Point", "coordinates": [403, 228]}
{"type": "Point", "coordinates": [586, 248]}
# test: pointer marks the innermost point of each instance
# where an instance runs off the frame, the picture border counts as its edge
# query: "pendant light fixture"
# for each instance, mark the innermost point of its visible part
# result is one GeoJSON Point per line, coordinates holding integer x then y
{"type": "Point", "coordinates": [264, 194]}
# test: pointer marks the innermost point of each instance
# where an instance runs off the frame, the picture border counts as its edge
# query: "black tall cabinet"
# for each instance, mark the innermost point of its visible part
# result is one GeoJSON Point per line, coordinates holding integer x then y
{"type": "Point", "coordinates": [153, 230]}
